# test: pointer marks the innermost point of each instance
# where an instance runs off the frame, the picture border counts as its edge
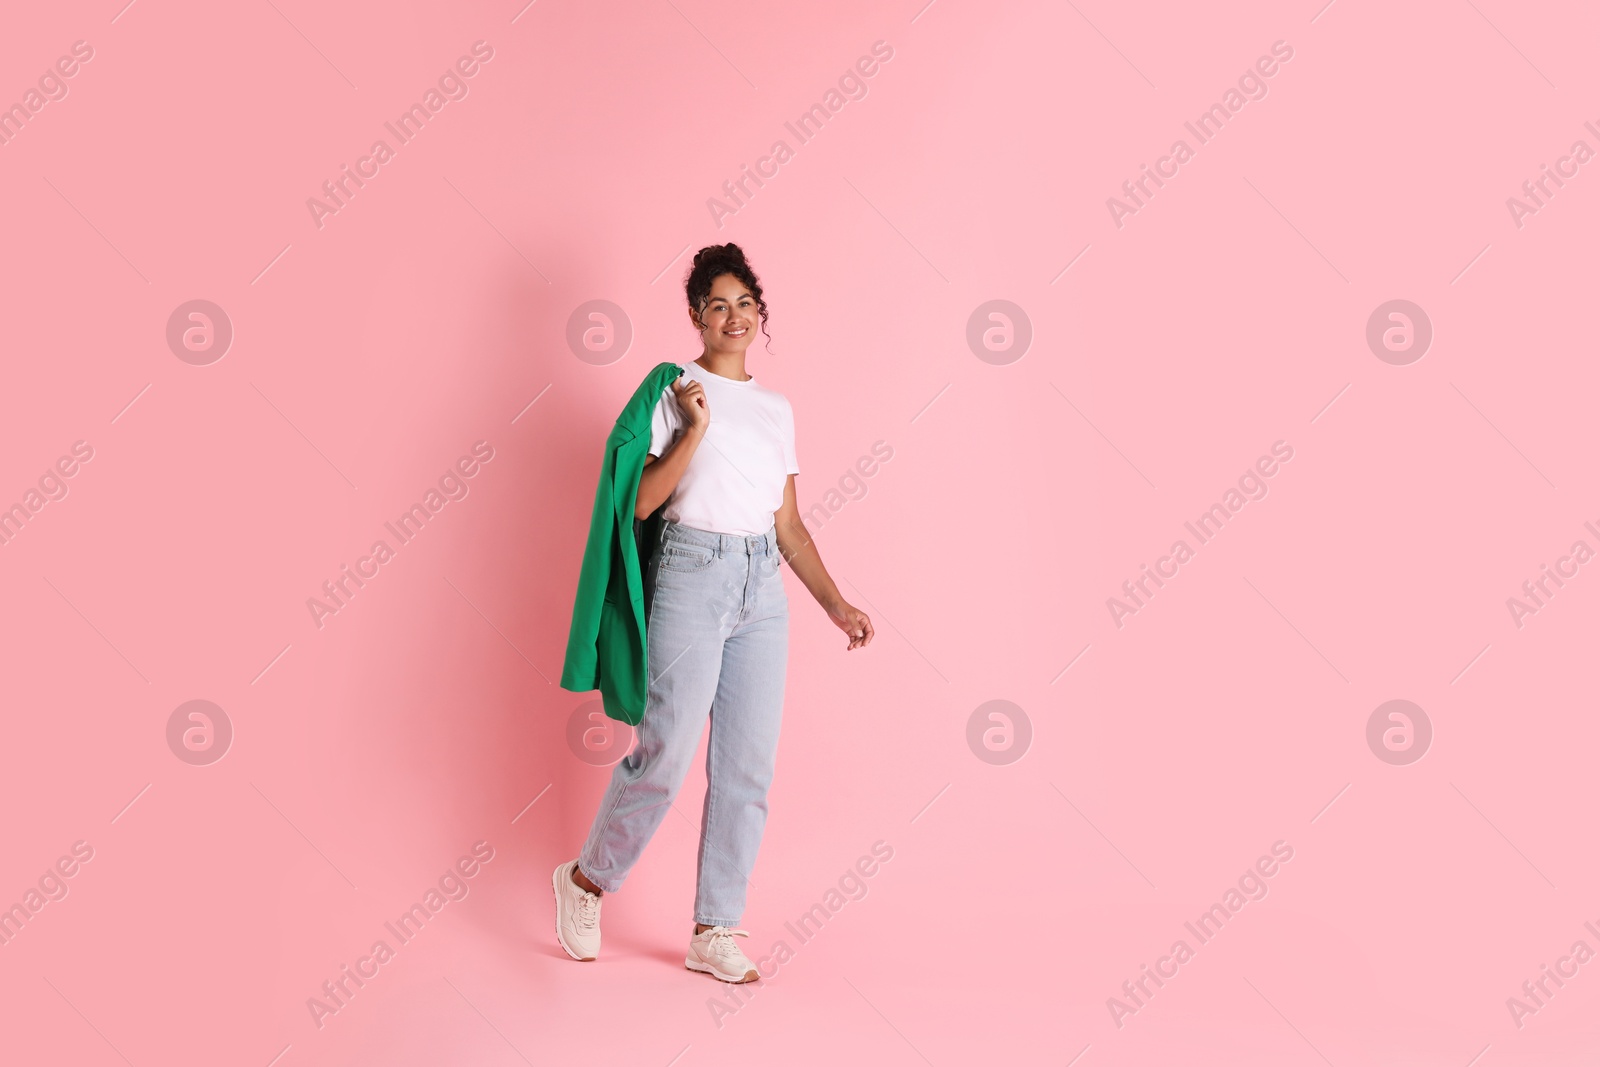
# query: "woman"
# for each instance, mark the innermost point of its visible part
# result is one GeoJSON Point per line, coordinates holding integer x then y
{"type": "Point", "coordinates": [717, 625]}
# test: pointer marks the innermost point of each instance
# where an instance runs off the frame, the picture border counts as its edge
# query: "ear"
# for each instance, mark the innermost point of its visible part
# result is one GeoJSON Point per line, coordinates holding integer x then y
{"type": "Point", "coordinates": [694, 320]}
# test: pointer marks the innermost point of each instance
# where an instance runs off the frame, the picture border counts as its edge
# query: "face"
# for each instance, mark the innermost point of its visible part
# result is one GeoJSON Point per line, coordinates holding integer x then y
{"type": "Point", "coordinates": [729, 317]}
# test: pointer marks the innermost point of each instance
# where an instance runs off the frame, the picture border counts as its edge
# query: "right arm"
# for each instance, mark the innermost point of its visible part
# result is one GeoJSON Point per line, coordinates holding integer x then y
{"type": "Point", "coordinates": [661, 476]}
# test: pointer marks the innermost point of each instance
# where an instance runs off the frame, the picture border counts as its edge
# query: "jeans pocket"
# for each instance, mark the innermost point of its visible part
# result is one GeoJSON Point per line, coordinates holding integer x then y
{"type": "Point", "coordinates": [683, 558]}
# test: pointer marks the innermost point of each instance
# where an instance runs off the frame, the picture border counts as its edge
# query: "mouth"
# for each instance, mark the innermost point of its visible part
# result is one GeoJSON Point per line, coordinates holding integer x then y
{"type": "Point", "coordinates": [736, 331]}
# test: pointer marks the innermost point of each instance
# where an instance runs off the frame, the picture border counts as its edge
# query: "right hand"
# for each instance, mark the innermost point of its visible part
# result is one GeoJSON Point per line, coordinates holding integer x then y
{"type": "Point", "coordinates": [692, 402]}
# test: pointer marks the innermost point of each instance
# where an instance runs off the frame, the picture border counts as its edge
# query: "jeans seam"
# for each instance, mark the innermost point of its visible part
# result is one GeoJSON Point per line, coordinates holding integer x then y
{"type": "Point", "coordinates": [711, 799]}
{"type": "Point", "coordinates": [605, 824]}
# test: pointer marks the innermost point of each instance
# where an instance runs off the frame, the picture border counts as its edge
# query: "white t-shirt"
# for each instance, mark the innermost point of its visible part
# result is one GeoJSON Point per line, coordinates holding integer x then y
{"type": "Point", "coordinates": [736, 477]}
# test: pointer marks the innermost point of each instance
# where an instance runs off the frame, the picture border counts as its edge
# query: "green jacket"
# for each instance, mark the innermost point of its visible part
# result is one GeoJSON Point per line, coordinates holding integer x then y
{"type": "Point", "coordinates": [606, 646]}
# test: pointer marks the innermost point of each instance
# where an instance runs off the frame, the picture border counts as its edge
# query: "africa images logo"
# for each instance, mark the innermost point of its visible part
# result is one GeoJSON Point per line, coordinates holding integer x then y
{"type": "Point", "coordinates": [1252, 85]}
{"type": "Point", "coordinates": [452, 85]}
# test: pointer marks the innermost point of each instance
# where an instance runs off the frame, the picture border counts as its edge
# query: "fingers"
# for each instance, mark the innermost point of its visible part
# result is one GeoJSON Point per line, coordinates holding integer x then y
{"type": "Point", "coordinates": [686, 399]}
{"type": "Point", "coordinates": [691, 397]}
{"type": "Point", "coordinates": [860, 631]}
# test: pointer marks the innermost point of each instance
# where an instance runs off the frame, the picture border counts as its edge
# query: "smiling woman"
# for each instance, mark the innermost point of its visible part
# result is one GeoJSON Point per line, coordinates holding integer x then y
{"type": "Point", "coordinates": [716, 620]}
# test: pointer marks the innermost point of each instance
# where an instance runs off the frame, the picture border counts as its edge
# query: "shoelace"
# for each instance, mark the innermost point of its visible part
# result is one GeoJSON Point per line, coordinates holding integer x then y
{"type": "Point", "coordinates": [722, 940]}
{"type": "Point", "coordinates": [588, 911]}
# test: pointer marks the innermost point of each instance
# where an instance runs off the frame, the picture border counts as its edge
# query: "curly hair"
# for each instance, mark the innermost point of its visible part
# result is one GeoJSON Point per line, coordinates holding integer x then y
{"type": "Point", "coordinates": [713, 261]}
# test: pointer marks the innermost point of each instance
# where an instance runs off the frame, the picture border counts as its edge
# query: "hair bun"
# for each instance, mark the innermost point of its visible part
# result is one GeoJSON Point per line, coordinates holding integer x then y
{"type": "Point", "coordinates": [719, 253]}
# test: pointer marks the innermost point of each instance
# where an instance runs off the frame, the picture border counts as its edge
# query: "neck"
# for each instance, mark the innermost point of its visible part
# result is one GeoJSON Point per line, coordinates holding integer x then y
{"type": "Point", "coordinates": [725, 364]}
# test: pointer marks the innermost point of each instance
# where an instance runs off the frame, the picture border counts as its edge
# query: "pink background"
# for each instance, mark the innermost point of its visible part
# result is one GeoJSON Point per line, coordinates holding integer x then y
{"type": "Point", "coordinates": [1230, 713]}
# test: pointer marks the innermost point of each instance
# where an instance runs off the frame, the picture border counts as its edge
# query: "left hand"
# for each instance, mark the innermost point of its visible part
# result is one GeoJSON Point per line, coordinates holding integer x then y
{"type": "Point", "coordinates": [854, 622]}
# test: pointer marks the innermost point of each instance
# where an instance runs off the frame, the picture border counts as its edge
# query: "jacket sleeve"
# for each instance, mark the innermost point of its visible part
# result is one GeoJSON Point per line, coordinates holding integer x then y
{"type": "Point", "coordinates": [580, 671]}
{"type": "Point", "coordinates": [605, 645]}
{"type": "Point", "coordinates": [624, 658]}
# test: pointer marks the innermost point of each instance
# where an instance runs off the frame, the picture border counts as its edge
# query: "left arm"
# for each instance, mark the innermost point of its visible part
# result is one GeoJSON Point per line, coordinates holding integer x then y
{"type": "Point", "coordinates": [796, 545]}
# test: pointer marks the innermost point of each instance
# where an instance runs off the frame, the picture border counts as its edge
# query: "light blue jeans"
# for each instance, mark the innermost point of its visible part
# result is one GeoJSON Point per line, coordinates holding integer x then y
{"type": "Point", "coordinates": [717, 631]}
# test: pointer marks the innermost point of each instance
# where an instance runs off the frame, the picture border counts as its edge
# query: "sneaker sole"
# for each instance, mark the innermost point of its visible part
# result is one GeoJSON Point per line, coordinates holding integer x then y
{"type": "Point", "coordinates": [749, 976]}
{"type": "Point", "coordinates": [555, 890]}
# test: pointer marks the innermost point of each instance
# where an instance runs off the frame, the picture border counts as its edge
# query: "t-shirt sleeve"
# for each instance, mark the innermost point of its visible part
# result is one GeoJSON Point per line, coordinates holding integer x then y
{"type": "Point", "coordinates": [664, 423]}
{"type": "Point", "coordinates": [790, 463]}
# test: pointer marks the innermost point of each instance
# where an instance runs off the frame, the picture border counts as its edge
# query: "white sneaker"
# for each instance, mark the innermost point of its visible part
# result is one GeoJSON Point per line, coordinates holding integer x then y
{"type": "Point", "coordinates": [715, 952]}
{"type": "Point", "coordinates": [577, 915]}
